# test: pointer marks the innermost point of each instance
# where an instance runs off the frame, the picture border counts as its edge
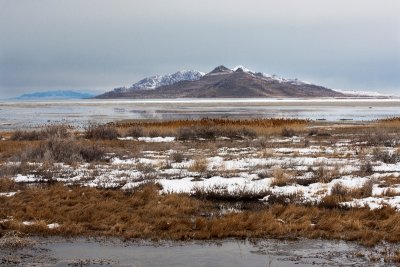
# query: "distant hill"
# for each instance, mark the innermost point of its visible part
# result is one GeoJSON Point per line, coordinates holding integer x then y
{"type": "Point", "coordinates": [222, 82]}
{"type": "Point", "coordinates": [55, 95]}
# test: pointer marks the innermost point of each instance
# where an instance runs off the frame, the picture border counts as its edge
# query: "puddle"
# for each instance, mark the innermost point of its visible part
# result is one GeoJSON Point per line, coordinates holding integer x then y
{"type": "Point", "coordinates": [226, 253]}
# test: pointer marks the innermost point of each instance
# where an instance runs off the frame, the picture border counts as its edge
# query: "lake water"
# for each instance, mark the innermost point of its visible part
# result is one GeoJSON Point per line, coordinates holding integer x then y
{"type": "Point", "coordinates": [28, 114]}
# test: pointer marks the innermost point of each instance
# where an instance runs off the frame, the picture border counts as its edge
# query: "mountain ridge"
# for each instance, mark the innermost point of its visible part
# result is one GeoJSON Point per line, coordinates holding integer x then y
{"type": "Point", "coordinates": [223, 82]}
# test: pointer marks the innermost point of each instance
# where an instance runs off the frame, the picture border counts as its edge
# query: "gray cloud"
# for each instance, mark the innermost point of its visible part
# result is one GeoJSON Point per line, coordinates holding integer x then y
{"type": "Point", "coordinates": [99, 44]}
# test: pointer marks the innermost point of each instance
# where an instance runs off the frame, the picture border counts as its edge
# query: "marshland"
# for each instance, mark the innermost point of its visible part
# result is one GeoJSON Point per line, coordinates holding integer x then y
{"type": "Point", "coordinates": [206, 179]}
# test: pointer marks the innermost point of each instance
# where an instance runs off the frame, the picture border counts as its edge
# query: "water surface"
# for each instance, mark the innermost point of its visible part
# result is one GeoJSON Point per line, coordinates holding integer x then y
{"type": "Point", "coordinates": [28, 114]}
{"type": "Point", "coordinates": [224, 253]}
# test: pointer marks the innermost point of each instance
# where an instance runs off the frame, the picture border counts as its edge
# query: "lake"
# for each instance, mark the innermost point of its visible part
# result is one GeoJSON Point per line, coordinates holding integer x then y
{"type": "Point", "coordinates": [30, 114]}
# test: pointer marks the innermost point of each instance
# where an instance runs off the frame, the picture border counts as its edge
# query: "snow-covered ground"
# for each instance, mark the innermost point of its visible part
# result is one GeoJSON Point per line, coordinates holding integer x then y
{"type": "Point", "coordinates": [243, 169]}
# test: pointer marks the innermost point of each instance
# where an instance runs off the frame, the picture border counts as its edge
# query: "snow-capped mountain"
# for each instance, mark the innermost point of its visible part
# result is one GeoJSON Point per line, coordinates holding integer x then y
{"type": "Point", "coordinates": [243, 68]}
{"type": "Point", "coordinates": [269, 77]}
{"type": "Point", "coordinates": [154, 82]}
{"type": "Point", "coordinates": [221, 82]}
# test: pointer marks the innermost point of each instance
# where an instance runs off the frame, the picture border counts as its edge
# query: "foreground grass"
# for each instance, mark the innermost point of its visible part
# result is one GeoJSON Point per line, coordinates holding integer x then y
{"type": "Point", "coordinates": [145, 213]}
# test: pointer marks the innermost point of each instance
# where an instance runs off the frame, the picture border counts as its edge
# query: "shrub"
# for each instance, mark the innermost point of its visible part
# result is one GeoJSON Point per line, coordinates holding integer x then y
{"type": "Point", "coordinates": [7, 185]}
{"type": "Point", "coordinates": [366, 168]}
{"type": "Point", "coordinates": [26, 136]}
{"type": "Point", "coordinates": [92, 153]}
{"type": "Point", "coordinates": [145, 168]}
{"type": "Point", "coordinates": [56, 150]}
{"type": "Point", "coordinates": [324, 175]}
{"type": "Point", "coordinates": [313, 132]}
{"type": "Point", "coordinates": [185, 133]}
{"type": "Point", "coordinates": [212, 131]}
{"type": "Point", "coordinates": [155, 133]}
{"type": "Point", "coordinates": [386, 156]}
{"type": "Point", "coordinates": [234, 132]}
{"type": "Point", "coordinates": [380, 137]}
{"type": "Point", "coordinates": [199, 165]}
{"type": "Point", "coordinates": [221, 193]}
{"type": "Point", "coordinates": [177, 157]}
{"type": "Point", "coordinates": [135, 132]}
{"type": "Point", "coordinates": [324, 134]}
{"type": "Point", "coordinates": [288, 132]}
{"type": "Point", "coordinates": [67, 151]}
{"type": "Point", "coordinates": [206, 132]}
{"type": "Point", "coordinates": [330, 202]}
{"type": "Point", "coordinates": [280, 178]}
{"type": "Point", "coordinates": [55, 131]}
{"type": "Point", "coordinates": [101, 132]}
{"type": "Point", "coordinates": [339, 190]}
{"type": "Point", "coordinates": [246, 132]}
{"type": "Point", "coordinates": [366, 189]}
{"type": "Point", "coordinates": [390, 192]}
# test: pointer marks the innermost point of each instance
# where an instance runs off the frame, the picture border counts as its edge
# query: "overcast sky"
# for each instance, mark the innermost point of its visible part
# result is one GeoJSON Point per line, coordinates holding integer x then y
{"type": "Point", "coordinates": [98, 44]}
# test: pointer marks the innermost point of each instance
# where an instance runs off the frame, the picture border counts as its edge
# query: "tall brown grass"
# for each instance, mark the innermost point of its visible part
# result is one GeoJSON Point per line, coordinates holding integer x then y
{"type": "Point", "coordinates": [145, 213]}
{"type": "Point", "coordinates": [186, 129]}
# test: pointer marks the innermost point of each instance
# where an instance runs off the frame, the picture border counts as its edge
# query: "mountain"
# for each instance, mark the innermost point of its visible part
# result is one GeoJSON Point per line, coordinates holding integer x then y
{"type": "Point", "coordinates": [55, 95]}
{"type": "Point", "coordinates": [222, 82]}
{"type": "Point", "coordinates": [154, 82]}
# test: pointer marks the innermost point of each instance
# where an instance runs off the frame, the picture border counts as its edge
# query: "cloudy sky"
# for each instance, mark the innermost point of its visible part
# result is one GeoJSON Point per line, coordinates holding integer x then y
{"type": "Point", "coordinates": [101, 44]}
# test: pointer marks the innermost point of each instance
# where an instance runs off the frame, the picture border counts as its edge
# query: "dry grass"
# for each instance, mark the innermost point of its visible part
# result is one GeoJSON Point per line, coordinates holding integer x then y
{"type": "Point", "coordinates": [186, 129]}
{"type": "Point", "coordinates": [386, 156]}
{"type": "Point", "coordinates": [366, 168]}
{"type": "Point", "coordinates": [63, 150]}
{"type": "Point", "coordinates": [9, 149]}
{"type": "Point", "coordinates": [199, 165]}
{"type": "Point", "coordinates": [325, 175]}
{"type": "Point", "coordinates": [280, 177]}
{"type": "Point", "coordinates": [8, 185]}
{"type": "Point", "coordinates": [215, 122]}
{"type": "Point", "coordinates": [143, 213]}
{"type": "Point", "coordinates": [56, 131]}
{"type": "Point", "coordinates": [390, 192]}
{"type": "Point", "coordinates": [101, 132]}
{"type": "Point", "coordinates": [134, 131]}
{"type": "Point", "coordinates": [342, 193]}
{"type": "Point", "coordinates": [221, 193]}
{"type": "Point", "coordinates": [177, 156]}
{"type": "Point", "coordinates": [146, 214]}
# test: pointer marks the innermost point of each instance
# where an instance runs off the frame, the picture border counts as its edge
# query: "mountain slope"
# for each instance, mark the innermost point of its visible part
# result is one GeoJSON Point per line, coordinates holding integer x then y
{"type": "Point", "coordinates": [230, 83]}
{"type": "Point", "coordinates": [154, 82]}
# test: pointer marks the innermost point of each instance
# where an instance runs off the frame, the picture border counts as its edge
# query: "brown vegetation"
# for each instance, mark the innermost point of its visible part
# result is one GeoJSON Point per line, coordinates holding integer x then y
{"type": "Point", "coordinates": [57, 131]}
{"type": "Point", "coordinates": [64, 150]}
{"type": "Point", "coordinates": [146, 214]}
{"type": "Point", "coordinates": [209, 128]}
{"type": "Point", "coordinates": [101, 132]}
{"type": "Point", "coordinates": [143, 213]}
{"type": "Point", "coordinates": [280, 177]}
